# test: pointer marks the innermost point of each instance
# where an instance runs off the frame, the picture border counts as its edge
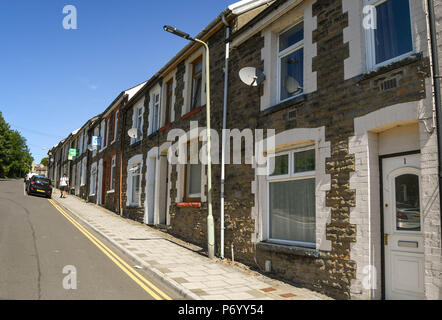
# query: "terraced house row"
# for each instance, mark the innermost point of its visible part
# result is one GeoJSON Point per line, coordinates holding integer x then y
{"type": "Point", "coordinates": [352, 207]}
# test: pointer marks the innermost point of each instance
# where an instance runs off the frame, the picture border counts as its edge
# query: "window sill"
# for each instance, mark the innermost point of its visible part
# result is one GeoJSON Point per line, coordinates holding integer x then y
{"type": "Point", "coordinates": [285, 104]}
{"type": "Point", "coordinates": [134, 206]}
{"type": "Point", "coordinates": [391, 66]}
{"type": "Point", "coordinates": [135, 143]}
{"type": "Point", "coordinates": [189, 205]}
{"type": "Point", "coordinates": [166, 127]}
{"type": "Point", "coordinates": [191, 113]}
{"type": "Point", "coordinates": [110, 191]}
{"type": "Point", "coordinates": [293, 250]}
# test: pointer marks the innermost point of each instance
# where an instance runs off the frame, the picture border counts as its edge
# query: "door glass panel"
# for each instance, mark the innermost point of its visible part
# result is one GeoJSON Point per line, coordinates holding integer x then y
{"type": "Point", "coordinates": [408, 216]}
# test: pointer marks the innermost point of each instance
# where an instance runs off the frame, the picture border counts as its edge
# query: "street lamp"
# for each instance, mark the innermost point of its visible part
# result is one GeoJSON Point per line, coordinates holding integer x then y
{"type": "Point", "coordinates": [210, 223]}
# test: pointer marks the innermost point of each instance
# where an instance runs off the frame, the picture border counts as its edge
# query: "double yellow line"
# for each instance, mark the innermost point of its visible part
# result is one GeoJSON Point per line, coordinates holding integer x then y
{"type": "Point", "coordinates": [150, 288]}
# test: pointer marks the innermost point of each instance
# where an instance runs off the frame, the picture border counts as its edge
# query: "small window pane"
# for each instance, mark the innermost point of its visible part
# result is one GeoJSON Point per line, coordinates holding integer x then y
{"type": "Point", "coordinates": [304, 161]}
{"type": "Point", "coordinates": [393, 34]}
{"type": "Point", "coordinates": [196, 94]}
{"type": "Point", "coordinates": [292, 74]}
{"type": "Point", "coordinates": [281, 165]}
{"type": "Point", "coordinates": [194, 179]}
{"type": "Point", "coordinates": [291, 37]}
{"type": "Point", "coordinates": [292, 210]}
{"type": "Point", "coordinates": [408, 216]}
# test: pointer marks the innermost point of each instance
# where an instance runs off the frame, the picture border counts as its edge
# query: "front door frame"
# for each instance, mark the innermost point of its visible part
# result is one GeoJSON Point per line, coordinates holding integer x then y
{"type": "Point", "coordinates": [381, 188]}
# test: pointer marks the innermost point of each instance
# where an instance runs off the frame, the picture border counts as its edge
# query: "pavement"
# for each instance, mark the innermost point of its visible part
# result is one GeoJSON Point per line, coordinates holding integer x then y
{"type": "Point", "coordinates": [180, 264]}
{"type": "Point", "coordinates": [41, 251]}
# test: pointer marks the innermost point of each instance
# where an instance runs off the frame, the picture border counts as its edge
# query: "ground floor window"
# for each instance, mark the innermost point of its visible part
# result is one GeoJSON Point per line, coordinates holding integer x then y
{"type": "Point", "coordinates": [93, 186]}
{"type": "Point", "coordinates": [193, 182]}
{"type": "Point", "coordinates": [83, 171]}
{"type": "Point", "coordinates": [135, 179]}
{"type": "Point", "coordinates": [291, 195]}
{"type": "Point", "coordinates": [112, 173]}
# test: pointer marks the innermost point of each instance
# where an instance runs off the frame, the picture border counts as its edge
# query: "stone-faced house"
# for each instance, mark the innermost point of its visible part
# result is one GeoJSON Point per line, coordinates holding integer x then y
{"type": "Point", "coordinates": [349, 205]}
{"type": "Point", "coordinates": [354, 197]}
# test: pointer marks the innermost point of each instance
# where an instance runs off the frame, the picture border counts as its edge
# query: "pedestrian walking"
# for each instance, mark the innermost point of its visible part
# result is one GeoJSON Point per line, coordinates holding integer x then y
{"type": "Point", "coordinates": [64, 185]}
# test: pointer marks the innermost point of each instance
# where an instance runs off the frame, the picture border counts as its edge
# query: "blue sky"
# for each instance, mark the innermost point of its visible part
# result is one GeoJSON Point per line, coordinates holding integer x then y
{"type": "Point", "coordinates": [61, 78]}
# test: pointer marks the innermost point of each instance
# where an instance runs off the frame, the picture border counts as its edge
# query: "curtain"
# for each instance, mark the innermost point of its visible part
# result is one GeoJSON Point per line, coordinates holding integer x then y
{"type": "Point", "coordinates": [292, 210]}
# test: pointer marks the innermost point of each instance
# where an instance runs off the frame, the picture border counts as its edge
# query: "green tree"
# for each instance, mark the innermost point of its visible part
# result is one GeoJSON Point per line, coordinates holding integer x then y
{"type": "Point", "coordinates": [15, 157]}
{"type": "Point", "coordinates": [44, 161]}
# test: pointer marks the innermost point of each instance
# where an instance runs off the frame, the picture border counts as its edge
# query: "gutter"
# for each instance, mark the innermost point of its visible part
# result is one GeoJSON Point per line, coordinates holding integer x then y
{"type": "Point", "coordinates": [437, 93]}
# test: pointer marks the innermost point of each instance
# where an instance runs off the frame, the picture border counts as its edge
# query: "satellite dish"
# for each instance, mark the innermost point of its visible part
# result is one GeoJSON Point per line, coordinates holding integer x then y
{"type": "Point", "coordinates": [90, 147]}
{"type": "Point", "coordinates": [251, 76]}
{"type": "Point", "coordinates": [292, 85]}
{"type": "Point", "coordinates": [133, 133]}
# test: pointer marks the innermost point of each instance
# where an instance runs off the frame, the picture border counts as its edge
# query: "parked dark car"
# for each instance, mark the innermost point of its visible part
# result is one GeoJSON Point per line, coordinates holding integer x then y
{"type": "Point", "coordinates": [39, 185]}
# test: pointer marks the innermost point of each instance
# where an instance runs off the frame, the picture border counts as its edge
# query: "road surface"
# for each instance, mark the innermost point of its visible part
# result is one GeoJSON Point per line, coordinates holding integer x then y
{"type": "Point", "coordinates": [45, 256]}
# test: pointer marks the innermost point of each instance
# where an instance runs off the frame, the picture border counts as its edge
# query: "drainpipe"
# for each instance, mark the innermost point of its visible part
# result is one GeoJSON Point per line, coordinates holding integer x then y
{"type": "Point", "coordinates": [223, 143]}
{"type": "Point", "coordinates": [437, 92]}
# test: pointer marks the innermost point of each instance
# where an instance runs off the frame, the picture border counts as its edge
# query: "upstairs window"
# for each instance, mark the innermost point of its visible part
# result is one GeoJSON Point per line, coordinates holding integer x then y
{"type": "Point", "coordinates": [169, 99]}
{"type": "Point", "coordinates": [156, 112]}
{"type": "Point", "coordinates": [392, 38]}
{"type": "Point", "coordinates": [291, 62]}
{"type": "Point", "coordinates": [115, 125]}
{"type": "Point", "coordinates": [197, 79]}
{"type": "Point", "coordinates": [137, 122]}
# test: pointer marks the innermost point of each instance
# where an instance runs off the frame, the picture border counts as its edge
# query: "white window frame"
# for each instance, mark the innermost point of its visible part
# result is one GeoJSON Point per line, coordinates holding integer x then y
{"type": "Point", "coordinates": [292, 176]}
{"type": "Point", "coordinates": [81, 143]}
{"type": "Point", "coordinates": [96, 133]}
{"type": "Point", "coordinates": [136, 167]}
{"type": "Point", "coordinates": [138, 115]}
{"type": "Point", "coordinates": [116, 114]}
{"type": "Point", "coordinates": [370, 40]}
{"type": "Point", "coordinates": [85, 142]}
{"type": "Point", "coordinates": [83, 171]}
{"type": "Point", "coordinates": [280, 55]}
{"type": "Point", "coordinates": [93, 182]}
{"type": "Point", "coordinates": [113, 167]}
{"type": "Point", "coordinates": [102, 133]}
{"type": "Point", "coordinates": [154, 126]}
{"type": "Point", "coordinates": [187, 173]}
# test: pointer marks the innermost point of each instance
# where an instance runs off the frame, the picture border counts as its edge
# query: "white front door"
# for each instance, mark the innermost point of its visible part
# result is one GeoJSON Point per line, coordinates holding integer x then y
{"type": "Point", "coordinates": [403, 234]}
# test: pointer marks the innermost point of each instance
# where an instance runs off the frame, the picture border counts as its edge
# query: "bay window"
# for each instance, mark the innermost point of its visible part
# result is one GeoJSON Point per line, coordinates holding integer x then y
{"type": "Point", "coordinates": [291, 198]}
{"type": "Point", "coordinates": [291, 62]}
